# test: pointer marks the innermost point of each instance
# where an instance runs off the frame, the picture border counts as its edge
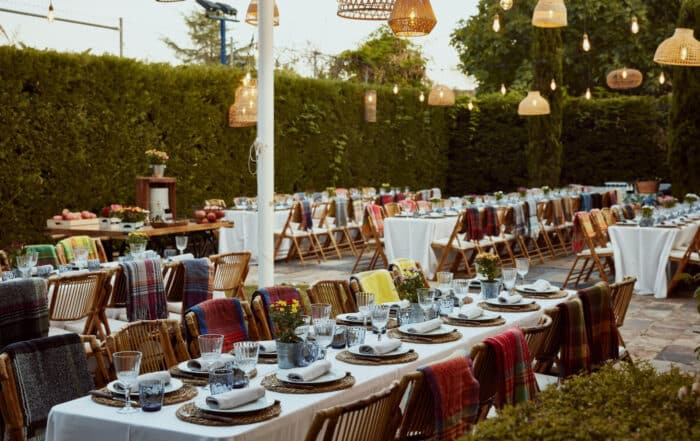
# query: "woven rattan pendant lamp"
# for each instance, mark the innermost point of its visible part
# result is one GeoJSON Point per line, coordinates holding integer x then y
{"type": "Point", "coordinates": [549, 14]}
{"type": "Point", "coordinates": [441, 96]}
{"type": "Point", "coordinates": [412, 18]}
{"type": "Point", "coordinates": [251, 16]}
{"type": "Point", "coordinates": [533, 105]}
{"type": "Point", "coordinates": [365, 9]}
{"type": "Point", "coordinates": [244, 110]}
{"type": "Point", "coordinates": [681, 49]}
{"type": "Point", "coordinates": [623, 79]}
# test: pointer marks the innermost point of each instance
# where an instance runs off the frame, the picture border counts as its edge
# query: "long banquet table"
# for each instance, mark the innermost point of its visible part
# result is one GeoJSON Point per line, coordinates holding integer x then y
{"type": "Point", "coordinates": [84, 419]}
{"type": "Point", "coordinates": [244, 235]}
{"type": "Point", "coordinates": [411, 238]}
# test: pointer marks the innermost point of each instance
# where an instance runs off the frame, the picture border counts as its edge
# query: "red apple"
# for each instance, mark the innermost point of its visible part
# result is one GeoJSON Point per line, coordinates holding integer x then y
{"type": "Point", "coordinates": [200, 214]}
{"type": "Point", "coordinates": [219, 214]}
{"type": "Point", "coordinates": [211, 217]}
{"type": "Point", "coordinates": [57, 217]}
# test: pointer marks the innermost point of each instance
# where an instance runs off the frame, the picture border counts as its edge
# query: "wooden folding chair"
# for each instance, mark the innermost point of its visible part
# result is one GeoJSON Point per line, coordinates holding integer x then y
{"type": "Point", "coordinates": [376, 240]}
{"type": "Point", "coordinates": [498, 243]}
{"type": "Point", "coordinates": [395, 268]}
{"type": "Point", "coordinates": [342, 233]}
{"type": "Point", "coordinates": [392, 209]}
{"type": "Point", "coordinates": [527, 242]}
{"type": "Point", "coordinates": [537, 337]}
{"type": "Point", "coordinates": [506, 218]}
{"type": "Point", "coordinates": [173, 281]}
{"type": "Point", "coordinates": [683, 257]}
{"type": "Point", "coordinates": [75, 300]}
{"type": "Point", "coordinates": [549, 232]}
{"type": "Point", "coordinates": [97, 253]}
{"type": "Point", "coordinates": [544, 346]}
{"type": "Point", "coordinates": [621, 294]}
{"type": "Point", "coordinates": [485, 367]}
{"type": "Point", "coordinates": [590, 255]}
{"type": "Point", "coordinates": [322, 230]}
{"type": "Point", "coordinates": [374, 418]}
{"type": "Point", "coordinates": [600, 225]}
{"type": "Point", "coordinates": [261, 318]}
{"type": "Point", "coordinates": [334, 292]}
{"type": "Point", "coordinates": [464, 250]}
{"type": "Point", "coordinates": [230, 272]}
{"type": "Point", "coordinates": [160, 342]}
{"type": "Point", "coordinates": [193, 331]}
{"type": "Point", "coordinates": [291, 230]}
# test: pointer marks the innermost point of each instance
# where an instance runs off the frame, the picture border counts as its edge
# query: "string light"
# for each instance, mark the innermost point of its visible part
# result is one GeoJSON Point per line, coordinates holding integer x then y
{"type": "Point", "coordinates": [470, 106]}
{"type": "Point", "coordinates": [662, 78]}
{"type": "Point", "coordinates": [506, 4]}
{"type": "Point", "coordinates": [553, 85]}
{"type": "Point", "coordinates": [588, 93]}
{"type": "Point", "coordinates": [50, 17]}
{"type": "Point", "coordinates": [586, 45]}
{"type": "Point", "coordinates": [684, 53]}
{"type": "Point", "coordinates": [396, 89]}
{"type": "Point", "coordinates": [496, 23]}
{"type": "Point", "coordinates": [634, 27]}
{"type": "Point", "coordinates": [503, 89]}
{"type": "Point", "coordinates": [421, 97]}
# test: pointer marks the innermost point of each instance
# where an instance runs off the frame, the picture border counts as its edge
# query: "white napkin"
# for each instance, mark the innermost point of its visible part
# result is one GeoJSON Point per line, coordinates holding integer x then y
{"type": "Point", "coordinates": [180, 257]}
{"type": "Point", "coordinates": [267, 346]}
{"type": "Point", "coordinates": [199, 364]}
{"type": "Point", "coordinates": [381, 347]}
{"type": "Point", "coordinates": [235, 398]}
{"type": "Point", "coordinates": [163, 376]}
{"type": "Point", "coordinates": [541, 285]}
{"type": "Point", "coordinates": [470, 312]}
{"type": "Point", "coordinates": [403, 304]}
{"type": "Point", "coordinates": [425, 327]}
{"type": "Point", "coordinates": [509, 300]}
{"type": "Point", "coordinates": [310, 372]}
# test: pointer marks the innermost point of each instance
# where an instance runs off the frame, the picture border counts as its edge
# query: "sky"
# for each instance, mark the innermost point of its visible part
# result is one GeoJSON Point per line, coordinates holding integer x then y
{"type": "Point", "coordinates": [304, 25]}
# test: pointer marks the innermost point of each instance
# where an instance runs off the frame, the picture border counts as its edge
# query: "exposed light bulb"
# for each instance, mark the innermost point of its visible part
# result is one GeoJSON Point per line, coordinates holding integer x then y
{"type": "Point", "coordinates": [634, 27]}
{"type": "Point", "coordinates": [551, 13]}
{"type": "Point", "coordinates": [496, 23]}
{"type": "Point", "coordinates": [506, 4]}
{"type": "Point", "coordinates": [50, 17]}
{"type": "Point", "coordinates": [470, 106]}
{"type": "Point", "coordinates": [553, 85]}
{"type": "Point", "coordinates": [396, 89]}
{"type": "Point", "coordinates": [503, 89]}
{"type": "Point", "coordinates": [588, 93]}
{"type": "Point", "coordinates": [442, 94]}
{"type": "Point", "coordinates": [421, 97]}
{"type": "Point", "coordinates": [624, 73]}
{"type": "Point", "coordinates": [586, 45]}
{"type": "Point", "coordinates": [662, 78]}
{"type": "Point", "coordinates": [684, 53]}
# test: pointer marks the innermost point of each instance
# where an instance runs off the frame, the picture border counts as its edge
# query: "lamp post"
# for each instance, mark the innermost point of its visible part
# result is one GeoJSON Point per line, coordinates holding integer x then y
{"type": "Point", "coordinates": [222, 13]}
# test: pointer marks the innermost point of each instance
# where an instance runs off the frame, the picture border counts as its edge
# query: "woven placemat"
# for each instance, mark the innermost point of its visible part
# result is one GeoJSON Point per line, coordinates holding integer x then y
{"type": "Point", "coordinates": [191, 414]}
{"type": "Point", "coordinates": [554, 295]}
{"type": "Point", "coordinates": [185, 393]}
{"type": "Point", "coordinates": [475, 323]}
{"type": "Point", "coordinates": [347, 357]}
{"type": "Point", "coordinates": [452, 336]}
{"type": "Point", "coordinates": [273, 384]}
{"type": "Point", "coordinates": [199, 380]}
{"type": "Point", "coordinates": [528, 308]}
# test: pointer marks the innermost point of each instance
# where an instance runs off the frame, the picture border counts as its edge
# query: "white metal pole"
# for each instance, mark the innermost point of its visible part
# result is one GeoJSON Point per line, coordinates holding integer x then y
{"type": "Point", "coordinates": [266, 138]}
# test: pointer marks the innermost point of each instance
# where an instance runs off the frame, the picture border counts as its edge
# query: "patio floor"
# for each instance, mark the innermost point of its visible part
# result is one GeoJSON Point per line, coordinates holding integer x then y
{"type": "Point", "coordinates": [663, 331]}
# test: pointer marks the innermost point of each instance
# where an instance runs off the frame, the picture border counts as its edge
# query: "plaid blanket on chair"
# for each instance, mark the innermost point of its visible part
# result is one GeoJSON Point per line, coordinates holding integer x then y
{"type": "Point", "coordinates": [198, 284]}
{"type": "Point", "coordinates": [398, 197]}
{"type": "Point", "coordinates": [222, 316]}
{"type": "Point", "coordinates": [48, 371]}
{"type": "Point", "coordinates": [145, 298]}
{"type": "Point", "coordinates": [341, 211]}
{"type": "Point", "coordinates": [533, 224]}
{"type": "Point", "coordinates": [516, 379]}
{"type": "Point", "coordinates": [471, 224]}
{"type": "Point", "coordinates": [408, 205]}
{"type": "Point", "coordinates": [566, 207]}
{"type": "Point", "coordinates": [491, 224]}
{"type": "Point", "coordinates": [273, 294]}
{"type": "Point", "coordinates": [613, 197]}
{"type": "Point", "coordinates": [586, 202]}
{"type": "Point", "coordinates": [600, 323]}
{"type": "Point", "coordinates": [24, 312]}
{"type": "Point", "coordinates": [455, 396]}
{"type": "Point", "coordinates": [582, 226]}
{"type": "Point", "coordinates": [70, 243]}
{"type": "Point", "coordinates": [519, 225]}
{"type": "Point", "coordinates": [47, 254]}
{"type": "Point", "coordinates": [307, 222]}
{"type": "Point", "coordinates": [358, 210]}
{"type": "Point", "coordinates": [597, 217]}
{"type": "Point", "coordinates": [597, 200]}
{"type": "Point", "coordinates": [375, 211]}
{"type": "Point", "coordinates": [386, 198]}
{"type": "Point", "coordinates": [628, 211]}
{"type": "Point", "coordinates": [575, 354]}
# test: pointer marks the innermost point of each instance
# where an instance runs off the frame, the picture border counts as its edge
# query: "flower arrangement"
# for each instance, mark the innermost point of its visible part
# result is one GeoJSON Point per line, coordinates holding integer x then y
{"type": "Point", "coordinates": [435, 200]}
{"type": "Point", "coordinates": [522, 191]}
{"type": "Point", "coordinates": [331, 191]}
{"type": "Point", "coordinates": [668, 201]}
{"type": "Point", "coordinates": [488, 265]}
{"type": "Point", "coordinates": [129, 214]}
{"type": "Point", "coordinates": [407, 284]}
{"type": "Point", "coordinates": [546, 189]}
{"type": "Point", "coordinates": [286, 317]}
{"type": "Point", "coordinates": [157, 157]}
{"type": "Point", "coordinates": [498, 195]}
{"type": "Point", "coordinates": [108, 210]}
{"type": "Point", "coordinates": [136, 238]}
{"type": "Point", "coordinates": [386, 186]}
{"type": "Point", "coordinates": [647, 211]}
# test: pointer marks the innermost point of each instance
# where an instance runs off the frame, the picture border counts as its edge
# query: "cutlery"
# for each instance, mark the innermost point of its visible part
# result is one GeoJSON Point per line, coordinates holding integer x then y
{"type": "Point", "coordinates": [109, 396]}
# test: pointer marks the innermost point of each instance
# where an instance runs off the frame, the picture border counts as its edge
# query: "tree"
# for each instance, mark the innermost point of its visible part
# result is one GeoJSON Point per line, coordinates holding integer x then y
{"type": "Point", "coordinates": [504, 57]}
{"type": "Point", "coordinates": [383, 58]}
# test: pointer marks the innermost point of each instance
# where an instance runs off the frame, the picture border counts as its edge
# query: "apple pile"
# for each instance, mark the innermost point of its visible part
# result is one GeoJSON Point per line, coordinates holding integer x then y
{"type": "Point", "coordinates": [208, 214]}
{"type": "Point", "coordinates": [66, 214]}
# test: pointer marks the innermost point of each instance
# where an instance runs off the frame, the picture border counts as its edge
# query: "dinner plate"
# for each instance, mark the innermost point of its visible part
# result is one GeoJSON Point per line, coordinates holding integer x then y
{"type": "Point", "coordinates": [522, 302]}
{"type": "Point", "coordinates": [259, 404]}
{"type": "Point", "coordinates": [329, 377]}
{"type": "Point", "coordinates": [442, 330]}
{"type": "Point", "coordinates": [401, 350]}
{"type": "Point", "coordinates": [522, 288]}
{"type": "Point", "coordinates": [485, 316]}
{"type": "Point", "coordinates": [173, 386]}
{"type": "Point", "coordinates": [353, 318]}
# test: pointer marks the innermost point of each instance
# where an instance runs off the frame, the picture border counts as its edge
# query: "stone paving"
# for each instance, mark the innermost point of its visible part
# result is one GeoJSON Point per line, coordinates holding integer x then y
{"type": "Point", "coordinates": [663, 331]}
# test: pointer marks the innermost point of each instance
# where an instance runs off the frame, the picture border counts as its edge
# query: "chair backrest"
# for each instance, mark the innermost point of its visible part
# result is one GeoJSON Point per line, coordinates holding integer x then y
{"type": "Point", "coordinates": [216, 316]}
{"type": "Point", "coordinates": [418, 420]}
{"type": "Point", "coordinates": [261, 317]}
{"type": "Point", "coordinates": [621, 294]}
{"type": "Point", "coordinates": [374, 418]}
{"type": "Point", "coordinates": [64, 248]}
{"type": "Point", "coordinates": [600, 226]}
{"type": "Point", "coordinates": [609, 216]}
{"type": "Point", "coordinates": [485, 368]}
{"type": "Point", "coordinates": [379, 282]}
{"type": "Point", "coordinates": [537, 335]}
{"type": "Point", "coordinates": [24, 312]}
{"type": "Point", "coordinates": [373, 221]}
{"type": "Point", "coordinates": [230, 272]}
{"type": "Point", "coordinates": [266, 297]}
{"type": "Point", "coordinates": [145, 299]}
{"type": "Point", "coordinates": [402, 265]}
{"type": "Point", "coordinates": [160, 342]}
{"type": "Point", "coordinates": [334, 292]}
{"type": "Point", "coordinates": [173, 274]}
{"type": "Point", "coordinates": [544, 346]}
{"type": "Point", "coordinates": [75, 297]}
{"type": "Point", "coordinates": [46, 254]}
{"type": "Point", "coordinates": [392, 209]}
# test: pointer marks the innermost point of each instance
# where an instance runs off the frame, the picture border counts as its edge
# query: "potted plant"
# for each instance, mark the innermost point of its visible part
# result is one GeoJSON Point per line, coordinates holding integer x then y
{"type": "Point", "coordinates": [436, 203]}
{"type": "Point", "coordinates": [546, 189]}
{"type": "Point", "coordinates": [137, 243]}
{"type": "Point", "coordinates": [498, 195]}
{"type": "Point", "coordinates": [407, 283]}
{"type": "Point", "coordinates": [286, 318]}
{"type": "Point", "coordinates": [648, 185]}
{"type": "Point", "coordinates": [691, 198]}
{"type": "Point", "coordinates": [157, 160]}
{"type": "Point", "coordinates": [488, 267]}
{"type": "Point", "coordinates": [668, 201]}
{"type": "Point", "coordinates": [522, 191]}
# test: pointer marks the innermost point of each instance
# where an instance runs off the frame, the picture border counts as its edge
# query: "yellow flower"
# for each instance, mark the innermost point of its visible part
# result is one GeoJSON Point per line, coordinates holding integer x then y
{"type": "Point", "coordinates": [294, 308]}
{"type": "Point", "coordinates": [282, 302]}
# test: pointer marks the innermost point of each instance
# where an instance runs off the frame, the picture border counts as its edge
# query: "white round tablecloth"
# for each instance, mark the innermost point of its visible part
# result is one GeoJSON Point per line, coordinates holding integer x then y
{"type": "Point", "coordinates": [244, 234]}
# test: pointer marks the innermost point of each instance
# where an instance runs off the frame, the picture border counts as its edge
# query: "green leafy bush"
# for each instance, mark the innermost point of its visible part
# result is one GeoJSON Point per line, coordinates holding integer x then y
{"type": "Point", "coordinates": [617, 403]}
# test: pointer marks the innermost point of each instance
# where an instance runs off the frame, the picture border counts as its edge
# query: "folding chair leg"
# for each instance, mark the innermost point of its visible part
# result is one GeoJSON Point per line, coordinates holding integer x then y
{"type": "Point", "coordinates": [359, 258]}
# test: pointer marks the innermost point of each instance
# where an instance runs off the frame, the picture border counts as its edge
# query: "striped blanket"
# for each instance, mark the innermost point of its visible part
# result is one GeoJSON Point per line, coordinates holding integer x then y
{"type": "Point", "coordinates": [273, 294]}
{"type": "Point", "coordinates": [533, 224]}
{"type": "Point", "coordinates": [558, 212]}
{"type": "Point", "coordinates": [601, 330]}
{"type": "Point", "coordinates": [358, 210]}
{"type": "Point", "coordinates": [455, 394]}
{"type": "Point", "coordinates": [145, 298]}
{"type": "Point", "coordinates": [582, 228]}
{"type": "Point", "coordinates": [341, 211]}
{"type": "Point", "coordinates": [408, 205]}
{"type": "Point", "coordinates": [70, 243]}
{"type": "Point", "coordinates": [24, 312]}
{"type": "Point", "coordinates": [307, 222]}
{"type": "Point", "coordinates": [47, 254]}
{"type": "Point", "coordinates": [491, 224]}
{"type": "Point", "coordinates": [516, 380]}
{"type": "Point", "coordinates": [471, 224]}
{"type": "Point", "coordinates": [375, 211]}
{"type": "Point", "coordinates": [613, 197]}
{"type": "Point", "coordinates": [198, 283]}
{"type": "Point", "coordinates": [48, 371]}
{"type": "Point", "coordinates": [575, 355]}
{"type": "Point", "coordinates": [597, 200]}
{"type": "Point", "coordinates": [566, 206]}
{"type": "Point", "coordinates": [222, 316]}
{"type": "Point", "coordinates": [519, 225]}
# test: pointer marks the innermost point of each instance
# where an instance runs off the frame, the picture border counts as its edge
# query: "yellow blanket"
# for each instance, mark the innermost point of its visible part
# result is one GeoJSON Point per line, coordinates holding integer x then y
{"type": "Point", "coordinates": [379, 283]}
{"type": "Point", "coordinates": [78, 241]}
{"type": "Point", "coordinates": [404, 264]}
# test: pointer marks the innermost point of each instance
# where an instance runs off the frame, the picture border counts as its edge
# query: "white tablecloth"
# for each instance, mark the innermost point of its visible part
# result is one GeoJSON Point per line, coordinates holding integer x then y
{"type": "Point", "coordinates": [411, 238]}
{"type": "Point", "coordinates": [84, 419]}
{"type": "Point", "coordinates": [244, 234]}
{"type": "Point", "coordinates": [643, 252]}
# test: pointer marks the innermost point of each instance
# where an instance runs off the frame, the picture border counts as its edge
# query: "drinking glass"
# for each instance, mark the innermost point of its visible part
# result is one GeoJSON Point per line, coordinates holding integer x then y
{"type": "Point", "coordinates": [461, 289]}
{"type": "Point", "coordinates": [522, 265]}
{"type": "Point", "coordinates": [221, 381]}
{"type": "Point", "coordinates": [246, 353]}
{"type": "Point", "coordinates": [151, 395]}
{"type": "Point", "coordinates": [509, 275]}
{"type": "Point", "coordinates": [81, 257]}
{"type": "Point", "coordinates": [446, 306]}
{"type": "Point", "coordinates": [303, 331]}
{"type": "Point", "coordinates": [181, 243]}
{"type": "Point", "coordinates": [23, 264]}
{"type": "Point", "coordinates": [355, 335]}
{"type": "Point", "coordinates": [426, 299]}
{"type": "Point", "coordinates": [444, 279]}
{"type": "Point", "coordinates": [33, 259]}
{"type": "Point", "coordinates": [320, 311]}
{"type": "Point", "coordinates": [365, 300]}
{"type": "Point", "coordinates": [169, 253]}
{"type": "Point", "coordinates": [324, 330]}
{"type": "Point", "coordinates": [380, 317]}
{"type": "Point", "coordinates": [210, 347]}
{"type": "Point", "coordinates": [127, 365]}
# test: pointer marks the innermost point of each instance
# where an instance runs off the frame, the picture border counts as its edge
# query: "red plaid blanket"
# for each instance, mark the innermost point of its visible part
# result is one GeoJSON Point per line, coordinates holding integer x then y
{"type": "Point", "coordinates": [399, 197]}
{"type": "Point", "coordinates": [384, 199]}
{"type": "Point", "coordinates": [272, 294]}
{"type": "Point", "coordinates": [198, 282]}
{"type": "Point", "coordinates": [601, 330]}
{"type": "Point", "coordinates": [455, 396]}
{"type": "Point", "coordinates": [375, 211]}
{"type": "Point", "coordinates": [575, 355]}
{"type": "Point", "coordinates": [145, 298]}
{"type": "Point", "coordinates": [222, 316]}
{"type": "Point", "coordinates": [471, 224]}
{"type": "Point", "coordinates": [516, 379]}
{"type": "Point", "coordinates": [491, 224]}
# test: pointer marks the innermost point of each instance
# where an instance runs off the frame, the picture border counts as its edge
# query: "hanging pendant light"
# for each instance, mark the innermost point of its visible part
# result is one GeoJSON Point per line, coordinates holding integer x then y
{"type": "Point", "coordinates": [50, 17]}
{"type": "Point", "coordinates": [421, 97]}
{"type": "Point", "coordinates": [586, 43]}
{"type": "Point", "coordinates": [470, 106]}
{"type": "Point", "coordinates": [503, 89]}
{"type": "Point", "coordinates": [634, 27]}
{"type": "Point", "coordinates": [533, 105]}
{"type": "Point", "coordinates": [496, 26]}
{"type": "Point", "coordinates": [623, 79]}
{"type": "Point", "coordinates": [681, 49]}
{"type": "Point", "coordinates": [441, 96]}
{"type": "Point", "coordinates": [549, 14]}
{"type": "Point", "coordinates": [244, 110]}
{"type": "Point", "coordinates": [412, 18]}
{"type": "Point", "coordinates": [365, 9]}
{"type": "Point", "coordinates": [251, 16]}
{"type": "Point", "coordinates": [395, 89]}
{"type": "Point", "coordinates": [506, 4]}
{"type": "Point", "coordinates": [588, 93]}
{"type": "Point", "coordinates": [662, 78]}
{"type": "Point", "coordinates": [553, 85]}
{"type": "Point", "coordinates": [371, 106]}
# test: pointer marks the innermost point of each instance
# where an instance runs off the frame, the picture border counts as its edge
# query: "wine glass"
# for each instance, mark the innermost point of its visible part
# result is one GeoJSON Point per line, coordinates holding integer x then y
{"type": "Point", "coordinates": [522, 265]}
{"type": "Point", "coordinates": [303, 331]}
{"type": "Point", "coordinates": [81, 256]}
{"type": "Point", "coordinates": [324, 330]}
{"type": "Point", "coordinates": [33, 259]}
{"type": "Point", "coordinates": [380, 317]}
{"type": "Point", "coordinates": [509, 275]}
{"type": "Point", "coordinates": [181, 243]}
{"type": "Point", "coordinates": [246, 354]}
{"type": "Point", "coordinates": [444, 279]}
{"type": "Point", "coordinates": [364, 302]}
{"type": "Point", "coordinates": [320, 311]}
{"type": "Point", "coordinates": [210, 347]}
{"type": "Point", "coordinates": [127, 365]}
{"type": "Point", "coordinates": [426, 299]}
{"type": "Point", "coordinates": [23, 262]}
{"type": "Point", "coordinates": [461, 289]}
